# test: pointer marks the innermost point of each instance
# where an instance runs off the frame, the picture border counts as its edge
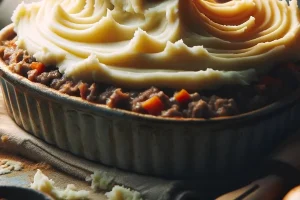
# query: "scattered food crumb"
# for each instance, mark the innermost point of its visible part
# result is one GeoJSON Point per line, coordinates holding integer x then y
{"type": "Point", "coordinates": [7, 166]}
{"type": "Point", "coordinates": [100, 181]}
{"type": "Point", "coordinates": [121, 193]}
{"type": "Point", "coordinates": [4, 138]}
{"type": "Point", "coordinates": [42, 183]}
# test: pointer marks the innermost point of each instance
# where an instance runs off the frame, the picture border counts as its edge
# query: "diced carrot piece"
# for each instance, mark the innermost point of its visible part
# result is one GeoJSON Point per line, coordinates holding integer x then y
{"type": "Point", "coordinates": [268, 80]}
{"type": "Point", "coordinates": [83, 90]}
{"type": "Point", "coordinates": [153, 106]}
{"type": "Point", "coordinates": [40, 67]}
{"type": "Point", "coordinates": [183, 96]}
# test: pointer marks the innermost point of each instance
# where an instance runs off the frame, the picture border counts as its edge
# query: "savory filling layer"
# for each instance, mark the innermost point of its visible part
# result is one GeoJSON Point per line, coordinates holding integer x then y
{"type": "Point", "coordinates": [225, 101]}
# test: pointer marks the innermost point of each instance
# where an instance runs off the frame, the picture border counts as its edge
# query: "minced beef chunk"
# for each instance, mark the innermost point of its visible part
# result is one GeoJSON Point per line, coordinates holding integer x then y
{"type": "Point", "coordinates": [93, 93]}
{"type": "Point", "coordinates": [70, 88]}
{"type": "Point", "coordinates": [225, 101]}
{"type": "Point", "coordinates": [224, 107]}
{"type": "Point", "coordinates": [7, 54]}
{"type": "Point", "coordinates": [118, 99]}
{"type": "Point", "coordinates": [32, 74]}
{"type": "Point", "coordinates": [174, 111]}
{"type": "Point", "coordinates": [102, 98]}
{"type": "Point", "coordinates": [57, 83]}
{"type": "Point", "coordinates": [138, 108]}
{"type": "Point", "coordinates": [21, 68]}
{"type": "Point", "coordinates": [17, 56]}
{"type": "Point", "coordinates": [47, 77]}
{"type": "Point", "coordinates": [195, 96]}
{"type": "Point", "coordinates": [199, 109]}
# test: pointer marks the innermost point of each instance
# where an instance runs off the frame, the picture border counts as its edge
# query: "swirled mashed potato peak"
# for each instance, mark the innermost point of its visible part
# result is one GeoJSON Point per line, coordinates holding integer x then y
{"type": "Point", "coordinates": [192, 44]}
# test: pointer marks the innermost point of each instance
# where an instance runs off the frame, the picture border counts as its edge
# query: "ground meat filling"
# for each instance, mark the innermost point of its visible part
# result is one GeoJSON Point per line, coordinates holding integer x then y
{"type": "Point", "coordinates": [225, 101]}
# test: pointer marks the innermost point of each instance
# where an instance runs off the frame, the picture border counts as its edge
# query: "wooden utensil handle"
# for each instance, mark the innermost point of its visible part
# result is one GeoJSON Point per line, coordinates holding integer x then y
{"type": "Point", "coordinates": [280, 173]}
{"type": "Point", "coordinates": [268, 188]}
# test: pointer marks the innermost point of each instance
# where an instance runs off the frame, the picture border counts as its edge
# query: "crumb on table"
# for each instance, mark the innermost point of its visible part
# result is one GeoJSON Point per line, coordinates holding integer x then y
{"type": "Point", "coordinates": [4, 138]}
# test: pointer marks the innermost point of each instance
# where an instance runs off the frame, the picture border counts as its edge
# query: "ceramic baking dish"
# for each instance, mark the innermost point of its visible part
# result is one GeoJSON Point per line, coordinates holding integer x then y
{"type": "Point", "coordinates": [177, 148]}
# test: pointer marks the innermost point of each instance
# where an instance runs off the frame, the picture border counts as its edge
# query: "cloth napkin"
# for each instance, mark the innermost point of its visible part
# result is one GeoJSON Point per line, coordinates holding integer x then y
{"type": "Point", "coordinates": [17, 141]}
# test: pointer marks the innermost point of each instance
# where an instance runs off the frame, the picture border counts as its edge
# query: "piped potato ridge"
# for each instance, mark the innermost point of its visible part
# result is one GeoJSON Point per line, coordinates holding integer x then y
{"type": "Point", "coordinates": [191, 44]}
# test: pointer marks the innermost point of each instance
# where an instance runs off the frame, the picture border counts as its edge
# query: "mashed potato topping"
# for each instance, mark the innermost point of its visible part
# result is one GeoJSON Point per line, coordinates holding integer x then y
{"type": "Point", "coordinates": [191, 44]}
